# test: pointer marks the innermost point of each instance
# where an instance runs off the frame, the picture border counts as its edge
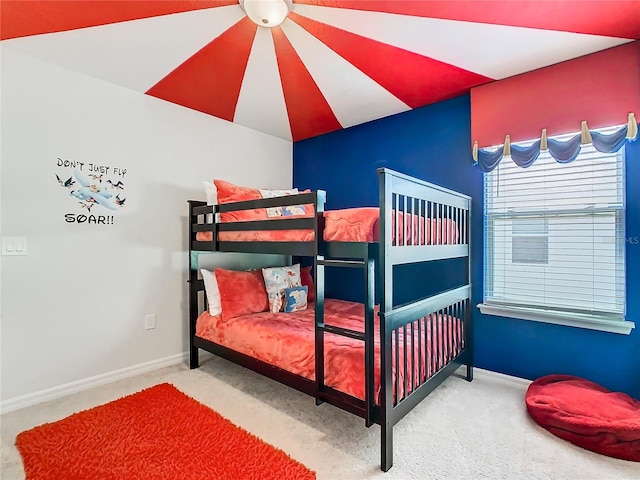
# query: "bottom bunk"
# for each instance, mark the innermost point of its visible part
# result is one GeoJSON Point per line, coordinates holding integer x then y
{"type": "Point", "coordinates": [287, 341]}
{"type": "Point", "coordinates": [282, 346]}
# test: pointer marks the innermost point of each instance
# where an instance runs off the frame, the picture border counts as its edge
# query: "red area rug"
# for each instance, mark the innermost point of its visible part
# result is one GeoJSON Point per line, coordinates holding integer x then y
{"type": "Point", "coordinates": [158, 433]}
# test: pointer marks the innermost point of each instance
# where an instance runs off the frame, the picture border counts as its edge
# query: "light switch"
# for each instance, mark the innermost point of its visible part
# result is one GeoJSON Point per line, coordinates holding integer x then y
{"type": "Point", "coordinates": [14, 245]}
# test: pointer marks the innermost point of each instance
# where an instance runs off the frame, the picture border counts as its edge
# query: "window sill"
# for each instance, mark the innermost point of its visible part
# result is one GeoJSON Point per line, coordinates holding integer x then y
{"type": "Point", "coordinates": [569, 319]}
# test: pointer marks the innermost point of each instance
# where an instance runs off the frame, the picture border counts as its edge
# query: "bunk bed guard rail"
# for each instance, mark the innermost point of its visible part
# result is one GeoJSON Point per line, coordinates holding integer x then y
{"type": "Point", "coordinates": [437, 327]}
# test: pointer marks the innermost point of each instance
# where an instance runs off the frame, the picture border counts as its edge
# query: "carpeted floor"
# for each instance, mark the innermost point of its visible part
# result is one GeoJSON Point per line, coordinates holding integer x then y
{"type": "Point", "coordinates": [461, 431]}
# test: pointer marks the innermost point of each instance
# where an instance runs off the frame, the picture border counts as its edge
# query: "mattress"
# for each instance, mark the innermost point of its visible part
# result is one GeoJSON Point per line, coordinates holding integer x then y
{"type": "Point", "coordinates": [286, 340]}
{"type": "Point", "coordinates": [355, 225]}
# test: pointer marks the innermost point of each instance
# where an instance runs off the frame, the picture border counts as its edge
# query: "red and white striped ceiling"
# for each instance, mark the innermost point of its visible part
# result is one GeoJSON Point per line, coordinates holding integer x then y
{"type": "Point", "coordinates": [330, 65]}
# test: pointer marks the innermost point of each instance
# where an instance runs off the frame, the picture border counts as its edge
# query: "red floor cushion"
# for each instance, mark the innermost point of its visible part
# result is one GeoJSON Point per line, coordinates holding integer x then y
{"type": "Point", "coordinates": [587, 415]}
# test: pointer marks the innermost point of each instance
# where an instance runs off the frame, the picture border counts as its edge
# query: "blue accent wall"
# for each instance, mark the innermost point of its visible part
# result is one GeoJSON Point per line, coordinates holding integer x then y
{"type": "Point", "coordinates": [434, 144]}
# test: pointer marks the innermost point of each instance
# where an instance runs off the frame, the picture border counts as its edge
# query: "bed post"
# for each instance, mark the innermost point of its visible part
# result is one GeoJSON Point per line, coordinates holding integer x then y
{"type": "Point", "coordinates": [194, 360]}
{"type": "Point", "coordinates": [468, 322]}
{"type": "Point", "coordinates": [318, 262]}
{"type": "Point", "coordinates": [319, 277]}
{"type": "Point", "coordinates": [385, 273]}
{"type": "Point", "coordinates": [369, 333]}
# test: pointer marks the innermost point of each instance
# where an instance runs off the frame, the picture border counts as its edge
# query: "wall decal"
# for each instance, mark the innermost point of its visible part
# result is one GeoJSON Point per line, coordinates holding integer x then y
{"type": "Point", "coordinates": [92, 186]}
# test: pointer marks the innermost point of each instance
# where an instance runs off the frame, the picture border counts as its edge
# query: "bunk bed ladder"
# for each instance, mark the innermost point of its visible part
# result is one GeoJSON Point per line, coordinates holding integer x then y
{"type": "Point", "coordinates": [321, 328]}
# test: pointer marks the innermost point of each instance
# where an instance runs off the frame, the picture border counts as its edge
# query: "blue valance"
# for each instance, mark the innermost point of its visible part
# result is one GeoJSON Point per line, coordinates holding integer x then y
{"type": "Point", "coordinates": [563, 151]}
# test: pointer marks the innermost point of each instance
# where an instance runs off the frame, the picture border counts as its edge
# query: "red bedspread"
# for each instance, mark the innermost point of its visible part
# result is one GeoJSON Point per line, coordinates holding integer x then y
{"type": "Point", "coordinates": [354, 225]}
{"type": "Point", "coordinates": [286, 340]}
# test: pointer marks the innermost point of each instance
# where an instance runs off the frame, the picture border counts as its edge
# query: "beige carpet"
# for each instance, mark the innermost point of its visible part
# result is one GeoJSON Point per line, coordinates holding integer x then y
{"type": "Point", "coordinates": [461, 431]}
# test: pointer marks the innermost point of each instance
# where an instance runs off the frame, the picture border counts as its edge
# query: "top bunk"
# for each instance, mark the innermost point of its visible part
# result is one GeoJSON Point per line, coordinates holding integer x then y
{"type": "Point", "coordinates": [415, 221]}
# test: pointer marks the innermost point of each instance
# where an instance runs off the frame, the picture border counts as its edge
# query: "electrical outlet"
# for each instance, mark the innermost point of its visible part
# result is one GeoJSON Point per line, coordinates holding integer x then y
{"type": "Point", "coordinates": [150, 321]}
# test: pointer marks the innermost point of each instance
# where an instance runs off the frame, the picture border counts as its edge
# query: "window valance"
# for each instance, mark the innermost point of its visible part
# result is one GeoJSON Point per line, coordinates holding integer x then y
{"type": "Point", "coordinates": [563, 151]}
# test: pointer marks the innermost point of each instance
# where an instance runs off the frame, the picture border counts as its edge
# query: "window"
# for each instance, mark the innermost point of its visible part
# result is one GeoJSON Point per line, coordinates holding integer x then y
{"type": "Point", "coordinates": [555, 241]}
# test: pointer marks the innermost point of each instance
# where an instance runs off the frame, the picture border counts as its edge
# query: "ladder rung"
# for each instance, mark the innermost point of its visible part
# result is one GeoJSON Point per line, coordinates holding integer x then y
{"type": "Point", "coordinates": [341, 263]}
{"type": "Point", "coordinates": [345, 332]}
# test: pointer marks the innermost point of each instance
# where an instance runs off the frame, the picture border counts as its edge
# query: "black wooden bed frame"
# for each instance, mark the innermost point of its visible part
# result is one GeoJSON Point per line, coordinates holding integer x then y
{"type": "Point", "coordinates": [397, 192]}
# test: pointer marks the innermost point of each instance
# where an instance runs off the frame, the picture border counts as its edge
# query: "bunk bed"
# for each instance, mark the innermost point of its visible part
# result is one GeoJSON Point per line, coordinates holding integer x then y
{"type": "Point", "coordinates": [405, 351]}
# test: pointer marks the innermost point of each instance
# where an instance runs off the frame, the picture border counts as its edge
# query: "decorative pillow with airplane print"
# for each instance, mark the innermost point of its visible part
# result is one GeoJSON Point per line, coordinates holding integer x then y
{"type": "Point", "coordinates": [277, 280]}
{"type": "Point", "coordinates": [295, 299]}
{"type": "Point", "coordinates": [281, 211]}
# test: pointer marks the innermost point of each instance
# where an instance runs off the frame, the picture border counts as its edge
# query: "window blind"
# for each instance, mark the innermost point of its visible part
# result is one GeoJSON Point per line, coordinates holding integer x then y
{"type": "Point", "coordinates": [554, 234]}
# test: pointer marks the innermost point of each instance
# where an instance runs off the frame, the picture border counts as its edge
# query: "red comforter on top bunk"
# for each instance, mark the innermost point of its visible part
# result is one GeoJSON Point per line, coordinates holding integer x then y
{"type": "Point", "coordinates": [353, 225]}
{"type": "Point", "coordinates": [286, 340]}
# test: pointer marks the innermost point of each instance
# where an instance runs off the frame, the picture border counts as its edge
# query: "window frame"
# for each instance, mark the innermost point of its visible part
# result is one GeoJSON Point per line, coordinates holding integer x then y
{"type": "Point", "coordinates": [594, 320]}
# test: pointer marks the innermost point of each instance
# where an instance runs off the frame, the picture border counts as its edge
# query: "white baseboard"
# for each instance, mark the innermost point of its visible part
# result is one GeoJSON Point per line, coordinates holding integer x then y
{"type": "Point", "coordinates": [501, 376]}
{"type": "Point", "coordinates": [60, 391]}
{"type": "Point", "coordinates": [35, 398]}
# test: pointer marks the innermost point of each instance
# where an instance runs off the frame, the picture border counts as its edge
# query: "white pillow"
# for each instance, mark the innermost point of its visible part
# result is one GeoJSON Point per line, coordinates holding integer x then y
{"type": "Point", "coordinates": [277, 211]}
{"type": "Point", "coordinates": [213, 293]}
{"type": "Point", "coordinates": [211, 192]}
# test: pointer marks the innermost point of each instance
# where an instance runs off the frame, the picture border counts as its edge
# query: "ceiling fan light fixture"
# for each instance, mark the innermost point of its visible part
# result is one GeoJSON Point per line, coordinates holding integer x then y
{"type": "Point", "coordinates": [266, 13]}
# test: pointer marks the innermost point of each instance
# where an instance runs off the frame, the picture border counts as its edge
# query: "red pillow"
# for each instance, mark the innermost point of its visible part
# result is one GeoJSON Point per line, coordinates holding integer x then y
{"type": "Point", "coordinates": [228, 192]}
{"type": "Point", "coordinates": [307, 279]}
{"type": "Point", "coordinates": [587, 414]}
{"type": "Point", "coordinates": [241, 293]}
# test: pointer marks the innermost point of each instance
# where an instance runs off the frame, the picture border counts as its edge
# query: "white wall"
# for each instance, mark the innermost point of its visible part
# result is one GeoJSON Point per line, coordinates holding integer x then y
{"type": "Point", "coordinates": [72, 310]}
